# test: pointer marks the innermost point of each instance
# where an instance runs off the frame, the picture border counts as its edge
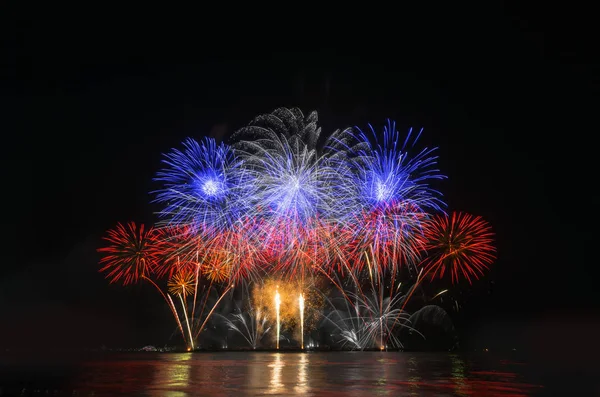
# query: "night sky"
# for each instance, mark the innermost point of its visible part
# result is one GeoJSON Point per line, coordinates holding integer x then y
{"type": "Point", "coordinates": [90, 103]}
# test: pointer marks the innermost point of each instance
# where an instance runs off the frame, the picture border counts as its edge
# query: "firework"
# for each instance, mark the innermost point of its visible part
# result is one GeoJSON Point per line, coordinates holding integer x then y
{"type": "Point", "coordinates": [297, 257]}
{"type": "Point", "coordinates": [182, 283]}
{"type": "Point", "coordinates": [236, 254]}
{"type": "Point", "coordinates": [391, 235]}
{"type": "Point", "coordinates": [458, 244]}
{"type": "Point", "coordinates": [367, 319]}
{"type": "Point", "coordinates": [263, 299]}
{"type": "Point", "coordinates": [132, 253]}
{"type": "Point", "coordinates": [293, 182]}
{"type": "Point", "coordinates": [219, 270]}
{"type": "Point", "coordinates": [387, 172]}
{"type": "Point", "coordinates": [201, 186]}
{"type": "Point", "coordinates": [284, 208]}
{"type": "Point", "coordinates": [372, 306]}
{"type": "Point", "coordinates": [392, 193]}
{"type": "Point", "coordinates": [252, 325]}
{"type": "Point", "coordinates": [181, 250]}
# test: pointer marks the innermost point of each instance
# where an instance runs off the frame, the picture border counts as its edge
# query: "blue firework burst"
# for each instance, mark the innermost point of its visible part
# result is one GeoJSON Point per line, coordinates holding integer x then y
{"type": "Point", "coordinates": [202, 186]}
{"type": "Point", "coordinates": [388, 173]}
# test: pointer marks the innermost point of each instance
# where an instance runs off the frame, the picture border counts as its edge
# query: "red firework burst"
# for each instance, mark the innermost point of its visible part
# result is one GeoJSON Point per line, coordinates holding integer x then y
{"type": "Point", "coordinates": [180, 250]}
{"type": "Point", "coordinates": [390, 235]}
{"type": "Point", "coordinates": [132, 253]}
{"type": "Point", "coordinates": [295, 250]}
{"type": "Point", "coordinates": [233, 254]}
{"type": "Point", "coordinates": [318, 248]}
{"type": "Point", "coordinates": [341, 249]}
{"type": "Point", "coordinates": [460, 244]}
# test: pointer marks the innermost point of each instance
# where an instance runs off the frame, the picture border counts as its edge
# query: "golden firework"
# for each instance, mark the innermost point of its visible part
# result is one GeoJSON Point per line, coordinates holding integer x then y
{"type": "Point", "coordinates": [263, 298]}
{"type": "Point", "coordinates": [217, 273]}
{"type": "Point", "coordinates": [182, 283]}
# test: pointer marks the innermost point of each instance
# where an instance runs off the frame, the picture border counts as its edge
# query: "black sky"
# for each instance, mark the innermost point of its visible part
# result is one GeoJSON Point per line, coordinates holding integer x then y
{"type": "Point", "coordinates": [92, 97]}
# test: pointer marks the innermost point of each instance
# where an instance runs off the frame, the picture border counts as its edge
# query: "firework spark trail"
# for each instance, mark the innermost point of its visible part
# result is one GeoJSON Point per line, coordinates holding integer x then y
{"type": "Point", "coordinates": [301, 307]}
{"type": "Point", "coordinates": [337, 283]}
{"type": "Point", "coordinates": [253, 326]}
{"type": "Point", "coordinates": [212, 310]}
{"type": "Point", "coordinates": [169, 303]}
{"type": "Point", "coordinates": [179, 246]}
{"type": "Point", "coordinates": [371, 322]}
{"type": "Point", "coordinates": [406, 299]}
{"type": "Point", "coordinates": [187, 321]}
{"type": "Point", "coordinates": [172, 305]}
{"type": "Point", "coordinates": [439, 294]}
{"type": "Point", "coordinates": [277, 307]}
{"type": "Point", "coordinates": [369, 316]}
{"type": "Point", "coordinates": [348, 326]}
{"type": "Point", "coordinates": [206, 296]}
{"type": "Point", "coordinates": [181, 285]}
{"type": "Point", "coordinates": [196, 285]}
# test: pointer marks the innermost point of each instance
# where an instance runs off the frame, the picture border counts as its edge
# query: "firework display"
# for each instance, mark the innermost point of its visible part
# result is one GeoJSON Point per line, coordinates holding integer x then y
{"type": "Point", "coordinates": [306, 231]}
{"type": "Point", "coordinates": [459, 244]}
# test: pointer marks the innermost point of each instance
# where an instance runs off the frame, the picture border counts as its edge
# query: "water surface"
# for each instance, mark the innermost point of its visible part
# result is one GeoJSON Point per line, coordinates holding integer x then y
{"type": "Point", "coordinates": [266, 373]}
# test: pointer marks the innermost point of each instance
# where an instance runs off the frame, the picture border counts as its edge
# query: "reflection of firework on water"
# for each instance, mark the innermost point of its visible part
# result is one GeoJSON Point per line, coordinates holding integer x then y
{"type": "Point", "coordinates": [460, 244]}
{"type": "Point", "coordinates": [132, 253]}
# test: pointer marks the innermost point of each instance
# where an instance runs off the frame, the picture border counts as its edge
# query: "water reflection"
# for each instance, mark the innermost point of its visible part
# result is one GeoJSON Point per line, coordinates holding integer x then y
{"type": "Point", "coordinates": [413, 376]}
{"type": "Point", "coordinates": [276, 386]}
{"type": "Point", "coordinates": [384, 364]}
{"type": "Point", "coordinates": [173, 378]}
{"type": "Point", "coordinates": [302, 380]}
{"type": "Point", "coordinates": [459, 378]}
{"type": "Point", "coordinates": [255, 379]}
{"type": "Point", "coordinates": [315, 374]}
